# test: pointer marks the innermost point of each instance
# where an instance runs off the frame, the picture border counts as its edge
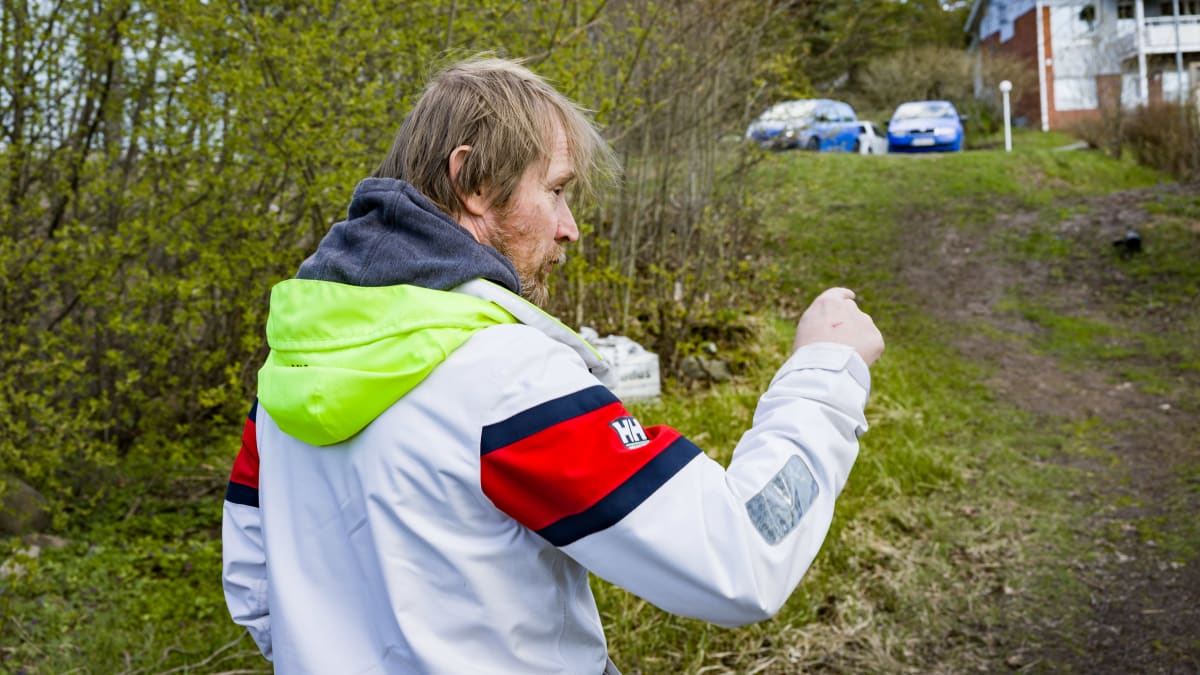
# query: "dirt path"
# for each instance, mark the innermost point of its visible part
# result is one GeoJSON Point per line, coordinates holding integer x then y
{"type": "Point", "coordinates": [1144, 610]}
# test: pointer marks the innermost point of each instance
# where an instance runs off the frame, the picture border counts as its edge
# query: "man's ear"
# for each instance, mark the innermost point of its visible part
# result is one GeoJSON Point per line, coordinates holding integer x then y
{"type": "Point", "coordinates": [474, 203]}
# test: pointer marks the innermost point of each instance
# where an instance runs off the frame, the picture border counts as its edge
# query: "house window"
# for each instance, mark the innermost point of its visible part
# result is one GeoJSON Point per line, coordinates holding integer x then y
{"type": "Point", "coordinates": [1073, 22]}
{"type": "Point", "coordinates": [1075, 93]}
{"type": "Point", "coordinates": [1087, 17]}
{"type": "Point", "coordinates": [1125, 9]}
{"type": "Point", "coordinates": [1185, 7]}
{"type": "Point", "coordinates": [1175, 88]}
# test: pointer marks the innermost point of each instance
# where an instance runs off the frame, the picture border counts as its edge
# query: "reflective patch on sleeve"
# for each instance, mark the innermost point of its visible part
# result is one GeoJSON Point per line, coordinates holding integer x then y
{"type": "Point", "coordinates": [778, 508]}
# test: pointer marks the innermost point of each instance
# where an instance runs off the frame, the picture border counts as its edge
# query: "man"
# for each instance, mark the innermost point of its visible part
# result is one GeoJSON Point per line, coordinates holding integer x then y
{"type": "Point", "coordinates": [434, 465]}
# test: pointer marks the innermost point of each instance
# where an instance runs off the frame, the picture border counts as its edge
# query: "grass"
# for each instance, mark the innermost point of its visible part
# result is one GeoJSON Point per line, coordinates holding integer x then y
{"type": "Point", "coordinates": [136, 589]}
{"type": "Point", "coordinates": [955, 514]}
{"type": "Point", "coordinates": [953, 520]}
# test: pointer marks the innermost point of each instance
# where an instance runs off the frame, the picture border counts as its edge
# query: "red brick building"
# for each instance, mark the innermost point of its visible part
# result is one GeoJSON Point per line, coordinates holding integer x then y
{"type": "Point", "coordinates": [1091, 55]}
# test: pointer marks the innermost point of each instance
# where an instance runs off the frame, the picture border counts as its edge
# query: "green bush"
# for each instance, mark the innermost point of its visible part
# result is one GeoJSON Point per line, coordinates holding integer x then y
{"type": "Point", "coordinates": [169, 163]}
{"type": "Point", "coordinates": [943, 73]}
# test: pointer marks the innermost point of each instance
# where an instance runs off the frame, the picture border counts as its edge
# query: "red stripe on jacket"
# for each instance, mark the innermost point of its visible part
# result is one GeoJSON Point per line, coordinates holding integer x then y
{"type": "Point", "coordinates": [566, 468]}
{"type": "Point", "coordinates": [245, 467]}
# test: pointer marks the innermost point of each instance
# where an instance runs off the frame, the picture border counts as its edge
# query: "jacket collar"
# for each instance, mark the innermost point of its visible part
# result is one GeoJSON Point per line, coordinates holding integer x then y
{"type": "Point", "coordinates": [530, 315]}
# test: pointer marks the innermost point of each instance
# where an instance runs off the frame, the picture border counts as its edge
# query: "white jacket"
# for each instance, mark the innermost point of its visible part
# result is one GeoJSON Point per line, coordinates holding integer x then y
{"type": "Point", "coordinates": [455, 532]}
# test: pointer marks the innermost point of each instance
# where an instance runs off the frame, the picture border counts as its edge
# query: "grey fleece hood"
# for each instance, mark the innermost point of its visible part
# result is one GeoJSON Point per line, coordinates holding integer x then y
{"type": "Point", "coordinates": [394, 235]}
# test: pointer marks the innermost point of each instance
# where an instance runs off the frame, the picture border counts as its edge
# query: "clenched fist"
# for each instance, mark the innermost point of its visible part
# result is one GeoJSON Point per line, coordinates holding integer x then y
{"type": "Point", "coordinates": [835, 317]}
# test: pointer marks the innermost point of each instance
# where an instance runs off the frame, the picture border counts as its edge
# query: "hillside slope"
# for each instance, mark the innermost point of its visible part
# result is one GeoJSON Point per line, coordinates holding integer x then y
{"type": "Point", "coordinates": [1078, 481]}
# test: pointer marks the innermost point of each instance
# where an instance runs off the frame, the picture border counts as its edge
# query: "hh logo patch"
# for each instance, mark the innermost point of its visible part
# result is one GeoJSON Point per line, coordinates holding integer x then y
{"type": "Point", "coordinates": [630, 431]}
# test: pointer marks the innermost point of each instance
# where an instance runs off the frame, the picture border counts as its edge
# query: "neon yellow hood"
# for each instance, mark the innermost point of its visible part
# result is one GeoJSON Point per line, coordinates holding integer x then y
{"type": "Point", "coordinates": [341, 355]}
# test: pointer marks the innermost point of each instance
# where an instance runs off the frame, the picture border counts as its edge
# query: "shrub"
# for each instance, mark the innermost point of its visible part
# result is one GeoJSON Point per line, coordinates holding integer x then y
{"type": "Point", "coordinates": [1165, 136]}
{"type": "Point", "coordinates": [943, 73]}
{"type": "Point", "coordinates": [675, 252]}
{"type": "Point", "coordinates": [163, 167]}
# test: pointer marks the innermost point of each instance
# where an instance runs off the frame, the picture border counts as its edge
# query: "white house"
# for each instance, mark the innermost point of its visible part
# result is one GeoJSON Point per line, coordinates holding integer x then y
{"type": "Point", "coordinates": [1092, 54]}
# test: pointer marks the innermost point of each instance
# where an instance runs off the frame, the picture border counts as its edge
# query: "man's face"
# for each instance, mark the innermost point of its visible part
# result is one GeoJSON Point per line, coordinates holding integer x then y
{"type": "Point", "coordinates": [532, 228]}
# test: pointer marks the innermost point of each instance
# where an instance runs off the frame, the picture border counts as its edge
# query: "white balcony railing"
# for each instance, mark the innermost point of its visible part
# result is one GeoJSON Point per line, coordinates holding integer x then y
{"type": "Point", "coordinates": [1158, 36]}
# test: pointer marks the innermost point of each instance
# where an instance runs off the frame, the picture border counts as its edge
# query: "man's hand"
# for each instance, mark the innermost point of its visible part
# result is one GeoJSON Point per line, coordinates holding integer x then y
{"type": "Point", "coordinates": [835, 317]}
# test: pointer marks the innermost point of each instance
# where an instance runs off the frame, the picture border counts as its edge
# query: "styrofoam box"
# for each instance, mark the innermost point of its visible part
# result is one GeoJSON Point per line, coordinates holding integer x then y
{"type": "Point", "coordinates": [637, 370]}
{"type": "Point", "coordinates": [638, 378]}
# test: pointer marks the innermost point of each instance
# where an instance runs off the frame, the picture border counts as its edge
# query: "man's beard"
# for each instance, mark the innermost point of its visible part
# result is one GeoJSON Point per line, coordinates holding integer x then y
{"type": "Point", "coordinates": [534, 274]}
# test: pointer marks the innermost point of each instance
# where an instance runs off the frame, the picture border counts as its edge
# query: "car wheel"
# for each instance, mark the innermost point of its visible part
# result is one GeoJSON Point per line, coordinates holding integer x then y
{"type": "Point", "coordinates": [858, 147]}
{"type": "Point", "coordinates": [814, 144]}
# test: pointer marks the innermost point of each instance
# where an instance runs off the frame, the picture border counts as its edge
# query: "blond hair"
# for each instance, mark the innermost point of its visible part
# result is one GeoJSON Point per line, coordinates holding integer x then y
{"type": "Point", "coordinates": [506, 113]}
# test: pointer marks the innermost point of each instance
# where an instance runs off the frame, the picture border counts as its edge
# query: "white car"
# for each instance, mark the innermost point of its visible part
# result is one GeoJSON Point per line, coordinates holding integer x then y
{"type": "Point", "coordinates": [870, 140]}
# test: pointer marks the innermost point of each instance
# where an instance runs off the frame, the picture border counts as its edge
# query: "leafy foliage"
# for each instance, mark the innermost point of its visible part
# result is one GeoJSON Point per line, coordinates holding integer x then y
{"type": "Point", "coordinates": [164, 164]}
{"type": "Point", "coordinates": [834, 41]}
{"type": "Point", "coordinates": [676, 243]}
{"type": "Point", "coordinates": [931, 72]}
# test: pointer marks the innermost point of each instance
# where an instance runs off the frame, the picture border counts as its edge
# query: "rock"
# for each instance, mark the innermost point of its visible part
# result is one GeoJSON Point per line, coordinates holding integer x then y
{"type": "Point", "coordinates": [690, 366]}
{"type": "Point", "coordinates": [717, 369]}
{"type": "Point", "coordinates": [701, 368]}
{"type": "Point", "coordinates": [22, 508]}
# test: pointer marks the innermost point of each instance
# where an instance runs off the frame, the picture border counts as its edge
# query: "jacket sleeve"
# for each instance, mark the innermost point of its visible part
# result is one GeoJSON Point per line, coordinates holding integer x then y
{"type": "Point", "coordinates": [243, 557]}
{"type": "Point", "coordinates": [647, 510]}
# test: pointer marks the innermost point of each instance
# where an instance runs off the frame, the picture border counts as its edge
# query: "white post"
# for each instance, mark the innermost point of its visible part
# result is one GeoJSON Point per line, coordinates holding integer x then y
{"type": "Point", "coordinates": [1041, 66]}
{"type": "Point", "coordinates": [1178, 54]}
{"type": "Point", "coordinates": [1006, 87]}
{"type": "Point", "coordinates": [1139, 14]}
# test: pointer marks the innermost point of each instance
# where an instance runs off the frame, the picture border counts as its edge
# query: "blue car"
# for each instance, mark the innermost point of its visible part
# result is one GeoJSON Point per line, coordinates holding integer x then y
{"type": "Point", "coordinates": [925, 126]}
{"type": "Point", "coordinates": [812, 124]}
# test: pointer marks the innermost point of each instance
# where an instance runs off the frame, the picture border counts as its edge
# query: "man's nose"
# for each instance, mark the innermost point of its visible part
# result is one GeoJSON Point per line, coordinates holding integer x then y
{"type": "Point", "coordinates": [567, 229]}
